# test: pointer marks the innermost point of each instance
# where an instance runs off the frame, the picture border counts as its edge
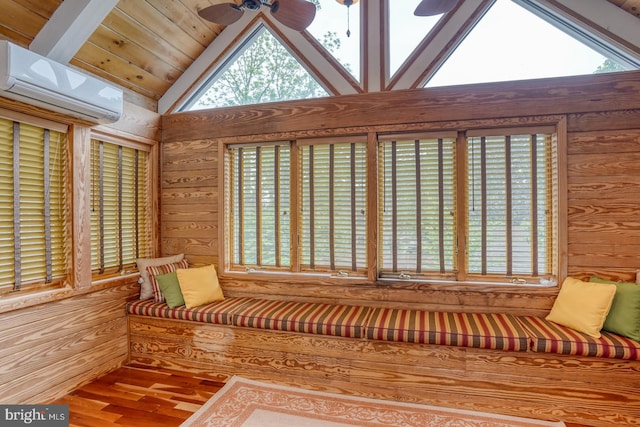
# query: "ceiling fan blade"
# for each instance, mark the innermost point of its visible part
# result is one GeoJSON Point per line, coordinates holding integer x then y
{"type": "Point", "coordinates": [223, 14]}
{"type": "Point", "coordinates": [295, 14]}
{"type": "Point", "coordinates": [434, 7]}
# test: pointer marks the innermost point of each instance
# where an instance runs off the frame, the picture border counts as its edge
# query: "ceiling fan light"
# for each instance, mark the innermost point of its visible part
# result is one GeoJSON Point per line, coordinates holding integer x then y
{"type": "Point", "coordinates": [295, 14]}
{"type": "Point", "coordinates": [348, 3]}
{"type": "Point", "coordinates": [252, 4]}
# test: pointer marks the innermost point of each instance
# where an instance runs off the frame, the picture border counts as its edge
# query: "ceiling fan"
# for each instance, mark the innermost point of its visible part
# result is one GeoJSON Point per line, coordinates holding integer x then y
{"type": "Point", "coordinates": [295, 14]}
{"type": "Point", "coordinates": [434, 7]}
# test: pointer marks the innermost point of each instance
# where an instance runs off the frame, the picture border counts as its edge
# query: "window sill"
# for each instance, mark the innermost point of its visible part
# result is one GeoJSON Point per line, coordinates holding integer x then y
{"type": "Point", "coordinates": [390, 283]}
{"type": "Point", "coordinates": [21, 300]}
{"type": "Point", "coordinates": [473, 283]}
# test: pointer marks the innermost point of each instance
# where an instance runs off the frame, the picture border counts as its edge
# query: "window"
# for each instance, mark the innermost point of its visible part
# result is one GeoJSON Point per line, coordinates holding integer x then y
{"type": "Point", "coordinates": [120, 206]}
{"type": "Point", "coordinates": [260, 206]}
{"type": "Point", "coordinates": [525, 45]}
{"type": "Point", "coordinates": [33, 205]}
{"type": "Point", "coordinates": [464, 205]}
{"type": "Point", "coordinates": [260, 70]}
{"type": "Point", "coordinates": [510, 204]}
{"type": "Point", "coordinates": [333, 203]}
{"type": "Point", "coordinates": [417, 184]}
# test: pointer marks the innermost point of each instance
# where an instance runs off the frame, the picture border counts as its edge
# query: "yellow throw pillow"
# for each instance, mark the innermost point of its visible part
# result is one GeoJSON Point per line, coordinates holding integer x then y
{"type": "Point", "coordinates": [200, 285]}
{"type": "Point", "coordinates": [582, 306]}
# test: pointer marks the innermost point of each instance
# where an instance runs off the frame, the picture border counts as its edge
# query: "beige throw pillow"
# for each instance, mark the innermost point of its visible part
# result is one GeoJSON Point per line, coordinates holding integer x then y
{"type": "Point", "coordinates": [146, 290]}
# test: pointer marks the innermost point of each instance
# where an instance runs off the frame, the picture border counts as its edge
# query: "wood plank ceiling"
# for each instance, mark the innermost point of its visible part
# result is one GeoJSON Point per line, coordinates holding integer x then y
{"type": "Point", "coordinates": [142, 45]}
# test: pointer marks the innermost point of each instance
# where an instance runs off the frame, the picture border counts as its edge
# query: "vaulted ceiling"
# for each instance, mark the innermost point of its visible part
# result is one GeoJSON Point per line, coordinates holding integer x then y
{"type": "Point", "coordinates": [157, 50]}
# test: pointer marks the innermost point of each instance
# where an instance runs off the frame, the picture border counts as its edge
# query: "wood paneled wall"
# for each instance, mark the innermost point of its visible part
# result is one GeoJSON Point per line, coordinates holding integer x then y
{"type": "Point", "coordinates": [47, 350]}
{"type": "Point", "coordinates": [603, 119]}
{"type": "Point", "coordinates": [53, 341]}
{"type": "Point", "coordinates": [604, 194]}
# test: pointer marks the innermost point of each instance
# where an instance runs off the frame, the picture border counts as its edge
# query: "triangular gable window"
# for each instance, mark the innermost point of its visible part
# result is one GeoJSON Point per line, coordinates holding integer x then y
{"type": "Point", "coordinates": [261, 70]}
{"type": "Point", "coordinates": [330, 27]}
{"type": "Point", "coordinates": [406, 31]}
{"type": "Point", "coordinates": [511, 43]}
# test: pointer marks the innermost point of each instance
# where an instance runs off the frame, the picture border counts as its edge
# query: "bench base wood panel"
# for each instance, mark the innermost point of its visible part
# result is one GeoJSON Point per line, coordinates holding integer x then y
{"type": "Point", "coordinates": [586, 390]}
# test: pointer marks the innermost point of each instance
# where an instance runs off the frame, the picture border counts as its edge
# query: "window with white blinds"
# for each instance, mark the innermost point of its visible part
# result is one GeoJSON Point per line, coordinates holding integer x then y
{"type": "Point", "coordinates": [417, 194]}
{"type": "Point", "coordinates": [120, 206]}
{"type": "Point", "coordinates": [333, 207]}
{"type": "Point", "coordinates": [510, 204]}
{"type": "Point", "coordinates": [462, 205]}
{"type": "Point", "coordinates": [260, 227]}
{"type": "Point", "coordinates": [329, 213]}
{"type": "Point", "coordinates": [33, 206]}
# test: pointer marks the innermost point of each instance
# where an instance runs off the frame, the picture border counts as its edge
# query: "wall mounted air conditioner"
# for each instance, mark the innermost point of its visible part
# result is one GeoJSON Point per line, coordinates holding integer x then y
{"type": "Point", "coordinates": [31, 78]}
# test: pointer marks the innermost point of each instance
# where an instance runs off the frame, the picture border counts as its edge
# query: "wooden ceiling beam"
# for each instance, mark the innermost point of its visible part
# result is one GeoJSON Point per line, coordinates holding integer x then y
{"type": "Point", "coordinates": [70, 27]}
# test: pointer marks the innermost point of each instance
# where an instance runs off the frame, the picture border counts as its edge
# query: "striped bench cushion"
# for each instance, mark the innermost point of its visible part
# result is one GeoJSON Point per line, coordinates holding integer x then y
{"type": "Point", "coordinates": [313, 318]}
{"type": "Point", "coordinates": [217, 312]}
{"type": "Point", "coordinates": [490, 331]}
{"type": "Point", "coordinates": [549, 337]}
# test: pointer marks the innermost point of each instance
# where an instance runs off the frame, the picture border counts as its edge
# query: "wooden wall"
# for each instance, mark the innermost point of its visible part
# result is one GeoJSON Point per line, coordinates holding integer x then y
{"type": "Point", "coordinates": [603, 117]}
{"type": "Point", "coordinates": [604, 194]}
{"type": "Point", "coordinates": [49, 349]}
{"type": "Point", "coordinates": [53, 341]}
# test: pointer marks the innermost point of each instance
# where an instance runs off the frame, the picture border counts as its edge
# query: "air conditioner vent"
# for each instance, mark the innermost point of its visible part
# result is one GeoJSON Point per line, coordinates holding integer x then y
{"type": "Point", "coordinates": [31, 78]}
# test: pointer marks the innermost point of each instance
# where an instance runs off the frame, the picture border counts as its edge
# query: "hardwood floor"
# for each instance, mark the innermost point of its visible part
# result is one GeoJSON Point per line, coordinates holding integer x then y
{"type": "Point", "coordinates": [140, 396]}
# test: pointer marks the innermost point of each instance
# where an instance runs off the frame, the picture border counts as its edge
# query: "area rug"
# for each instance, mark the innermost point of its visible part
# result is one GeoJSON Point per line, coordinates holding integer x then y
{"type": "Point", "coordinates": [247, 403]}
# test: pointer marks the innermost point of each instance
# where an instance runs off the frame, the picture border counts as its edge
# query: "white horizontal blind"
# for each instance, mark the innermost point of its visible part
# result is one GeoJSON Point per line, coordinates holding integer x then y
{"type": "Point", "coordinates": [510, 208]}
{"type": "Point", "coordinates": [120, 206]}
{"type": "Point", "coordinates": [417, 185]}
{"type": "Point", "coordinates": [143, 215]}
{"type": "Point", "coordinates": [260, 205]}
{"type": "Point", "coordinates": [333, 203]}
{"type": "Point", "coordinates": [6, 206]}
{"type": "Point", "coordinates": [33, 239]}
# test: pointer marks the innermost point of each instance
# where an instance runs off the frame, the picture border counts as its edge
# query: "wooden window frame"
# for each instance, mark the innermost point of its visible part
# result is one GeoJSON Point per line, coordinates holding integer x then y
{"type": "Point", "coordinates": [534, 275]}
{"type": "Point", "coordinates": [51, 274]}
{"type": "Point", "coordinates": [556, 227]}
{"type": "Point", "coordinates": [446, 245]}
{"type": "Point", "coordinates": [300, 248]}
{"type": "Point", "coordinates": [355, 264]}
{"type": "Point", "coordinates": [144, 245]}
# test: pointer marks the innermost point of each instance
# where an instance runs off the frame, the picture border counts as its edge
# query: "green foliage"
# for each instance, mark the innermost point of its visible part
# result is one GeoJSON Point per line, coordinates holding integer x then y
{"type": "Point", "coordinates": [608, 66]}
{"type": "Point", "coordinates": [264, 72]}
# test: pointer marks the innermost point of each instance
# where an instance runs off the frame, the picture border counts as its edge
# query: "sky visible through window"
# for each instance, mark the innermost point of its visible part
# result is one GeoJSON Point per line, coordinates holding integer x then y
{"type": "Point", "coordinates": [336, 19]}
{"type": "Point", "coordinates": [509, 43]}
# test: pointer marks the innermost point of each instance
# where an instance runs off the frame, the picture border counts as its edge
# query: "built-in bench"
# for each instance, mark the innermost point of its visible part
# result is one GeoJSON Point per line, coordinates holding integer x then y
{"type": "Point", "coordinates": [468, 360]}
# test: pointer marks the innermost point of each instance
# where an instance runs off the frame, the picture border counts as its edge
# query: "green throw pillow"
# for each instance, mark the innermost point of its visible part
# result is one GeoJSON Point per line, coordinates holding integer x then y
{"type": "Point", "coordinates": [624, 315]}
{"type": "Point", "coordinates": [170, 289]}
